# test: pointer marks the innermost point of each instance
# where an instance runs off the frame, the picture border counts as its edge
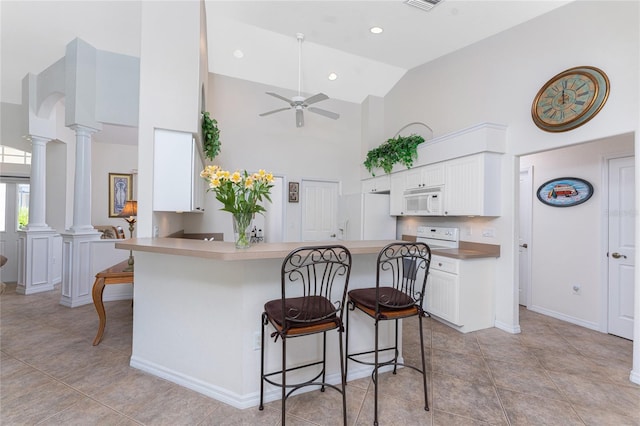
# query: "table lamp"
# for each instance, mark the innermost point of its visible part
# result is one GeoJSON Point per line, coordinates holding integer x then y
{"type": "Point", "coordinates": [129, 213]}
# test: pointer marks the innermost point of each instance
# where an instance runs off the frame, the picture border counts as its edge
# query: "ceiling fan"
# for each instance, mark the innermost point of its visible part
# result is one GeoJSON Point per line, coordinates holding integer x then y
{"type": "Point", "coordinates": [299, 103]}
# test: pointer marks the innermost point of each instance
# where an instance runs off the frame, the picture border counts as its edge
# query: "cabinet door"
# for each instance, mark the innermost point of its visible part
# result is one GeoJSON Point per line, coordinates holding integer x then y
{"type": "Point", "coordinates": [396, 199]}
{"type": "Point", "coordinates": [463, 186]}
{"type": "Point", "coordinates": [473, 186]}
{"type": "Point", "coordinates": [199, 187]}
{"type": "Point", "coordinates": [433, 175]}
{"type": "Point", "coordinates": [443, 296]}
{"type": "Point", "coordinates": [172, 171]}
{"type": "Point", "coordinates": [413, 178]}
{"type": "Point", "coordinates": [377, 184]}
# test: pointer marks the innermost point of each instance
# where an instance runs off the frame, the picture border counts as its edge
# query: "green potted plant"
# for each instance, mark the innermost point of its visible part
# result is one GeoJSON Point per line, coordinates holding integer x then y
{"type": "Point", "coordinates": [401, 149]}
{"type": "Point", "coordinates": [211, 136]}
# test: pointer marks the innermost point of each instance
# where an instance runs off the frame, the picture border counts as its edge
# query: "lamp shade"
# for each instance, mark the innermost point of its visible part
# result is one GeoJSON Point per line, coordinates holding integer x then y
{"type": "Point", "coordinates": [130, 209]}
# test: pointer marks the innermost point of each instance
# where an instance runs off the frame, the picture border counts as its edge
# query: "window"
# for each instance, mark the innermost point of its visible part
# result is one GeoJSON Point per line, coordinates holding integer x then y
{"type": "Point", "coordinates": [3, 207]}
{"type": "Point", "coordinates": [14, 156]}
{"type": "Point", "coordinates": [23, 205]}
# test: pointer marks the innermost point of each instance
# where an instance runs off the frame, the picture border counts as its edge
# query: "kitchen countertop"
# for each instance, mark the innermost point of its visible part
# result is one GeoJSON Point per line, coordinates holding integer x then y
{"type": "Point", "coordinates": [468, 250]}
{"type": "Point", "coordinates": [227, 250]}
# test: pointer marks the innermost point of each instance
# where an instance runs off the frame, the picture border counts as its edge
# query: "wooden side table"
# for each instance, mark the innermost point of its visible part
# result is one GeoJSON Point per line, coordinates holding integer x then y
{"type": "Point", "coordinates": [113, 275]}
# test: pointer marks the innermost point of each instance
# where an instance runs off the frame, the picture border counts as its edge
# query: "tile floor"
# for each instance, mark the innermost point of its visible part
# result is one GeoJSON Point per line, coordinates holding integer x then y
{"type": "Point", "coordinates": [553, 373]}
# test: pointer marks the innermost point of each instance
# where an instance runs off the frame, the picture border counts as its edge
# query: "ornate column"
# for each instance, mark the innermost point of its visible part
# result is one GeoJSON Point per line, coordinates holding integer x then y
{"type": "Point", "coordinates": [38, 244]}
{"type": "Point", "coordinates": [76, 287]}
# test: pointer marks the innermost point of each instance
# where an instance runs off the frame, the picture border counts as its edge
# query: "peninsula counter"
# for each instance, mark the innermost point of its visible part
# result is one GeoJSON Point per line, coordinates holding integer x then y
{"type": "Point", "coordinates": [197, 310]}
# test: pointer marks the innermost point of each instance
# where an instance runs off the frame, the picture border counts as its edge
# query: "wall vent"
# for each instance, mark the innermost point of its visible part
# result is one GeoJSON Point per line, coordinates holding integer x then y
{"type": "Point", "coordinates": [423, 4]}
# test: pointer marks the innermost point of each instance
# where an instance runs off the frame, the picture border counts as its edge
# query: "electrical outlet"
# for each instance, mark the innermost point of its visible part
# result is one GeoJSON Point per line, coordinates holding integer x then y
{"type": "Point", "coordinates": [489, 232]}
{"type": "Point", "coordinates": [576, 289]}
{"type": "Point", "coordinates": [257, 340]}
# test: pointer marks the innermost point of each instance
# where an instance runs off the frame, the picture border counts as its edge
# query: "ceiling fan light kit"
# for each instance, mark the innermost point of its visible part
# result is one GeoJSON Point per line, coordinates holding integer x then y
{"type": "Point", "coordinates": [299, 103]}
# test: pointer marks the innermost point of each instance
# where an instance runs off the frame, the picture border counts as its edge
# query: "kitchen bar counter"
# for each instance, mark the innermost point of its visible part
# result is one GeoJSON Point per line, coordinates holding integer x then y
{"type": "Point", "coordinates": [219, 250]}
{"type": "Point", "coordinates": [197, 310]}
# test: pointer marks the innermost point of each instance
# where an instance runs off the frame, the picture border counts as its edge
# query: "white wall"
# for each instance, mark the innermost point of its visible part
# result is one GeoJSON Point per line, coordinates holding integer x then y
{"type": "Point", "coordinates": [495, 80]}
{"type": "Point", "coordinates": [110, 158]}
{"type": "Point", "coordinates": [567, 243]}
{"type": "Point", "coordinates": [322, 149]}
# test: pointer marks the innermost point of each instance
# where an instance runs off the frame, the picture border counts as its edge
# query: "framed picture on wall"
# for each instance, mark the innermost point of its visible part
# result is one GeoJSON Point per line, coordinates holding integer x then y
{"type": "Point", "coordinates": [564, 192]}
{"type": "Point", "coordinates": [120, 190]}
{"type": "Point", "coordinates": [294, 188]}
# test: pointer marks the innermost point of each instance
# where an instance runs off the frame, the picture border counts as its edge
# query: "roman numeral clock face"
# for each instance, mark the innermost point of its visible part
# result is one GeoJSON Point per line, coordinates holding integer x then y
{"type": "Point", "coordinates": [570, 99]}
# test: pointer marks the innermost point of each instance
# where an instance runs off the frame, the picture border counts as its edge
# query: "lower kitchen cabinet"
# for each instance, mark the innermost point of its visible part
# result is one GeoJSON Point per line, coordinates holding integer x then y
{"type": "Point", "coordinates": [461, 292]}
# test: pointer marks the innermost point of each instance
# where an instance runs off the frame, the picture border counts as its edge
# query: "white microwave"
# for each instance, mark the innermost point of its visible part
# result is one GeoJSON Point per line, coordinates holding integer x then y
{"type": "Point", "coordinates": [423, 201]}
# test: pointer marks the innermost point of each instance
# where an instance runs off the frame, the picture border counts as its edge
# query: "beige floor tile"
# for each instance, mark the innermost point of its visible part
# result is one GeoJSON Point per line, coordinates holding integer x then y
{"type": "Point", "coordinates": [525, 409]}
{"type": "Point", "coordinates": [524, 379]}
{"type": "Point", "coordinates": [442, 418]}
{"type": "Point", "coordinates": [325, 408]}
{"type": "Point", "coordinates": [466, 367]}
{"type": "Point", "coordinates": [467, 399]}
{"type": "Point", "coordinates": [393, 411]}
{"type": "Point", "coordinates": [584, 391]}
{"type": "Point", "coordinates": [225, 415]}
{"type": "Point", "coordinates": [87, 412]}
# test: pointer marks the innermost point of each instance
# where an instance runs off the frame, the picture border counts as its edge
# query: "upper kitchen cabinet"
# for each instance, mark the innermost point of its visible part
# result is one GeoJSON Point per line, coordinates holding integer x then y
{"type": "Point", "coordinates": [472, 185]}
{"type": "Point", "coordinates": [380, 184]}
{"type": "Point", "coordinates": [177, 163]}
{"type": "Point", "coordinates": [425, 176]}
{"type": "Point", "coordinates": [396, 198]}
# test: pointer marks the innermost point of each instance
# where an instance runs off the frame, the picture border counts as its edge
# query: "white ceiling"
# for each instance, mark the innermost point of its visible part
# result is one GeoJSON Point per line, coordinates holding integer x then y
{"type": "Point", "coordinates": [337, 38]}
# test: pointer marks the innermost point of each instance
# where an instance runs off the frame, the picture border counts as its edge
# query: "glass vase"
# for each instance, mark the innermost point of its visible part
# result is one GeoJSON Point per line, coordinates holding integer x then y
{"type": "Point", "coordinates": [242, 229]}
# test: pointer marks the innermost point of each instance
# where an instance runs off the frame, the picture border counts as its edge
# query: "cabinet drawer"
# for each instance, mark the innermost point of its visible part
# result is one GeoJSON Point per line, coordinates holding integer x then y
{"type": "Point", "coordinates": [444, 264]}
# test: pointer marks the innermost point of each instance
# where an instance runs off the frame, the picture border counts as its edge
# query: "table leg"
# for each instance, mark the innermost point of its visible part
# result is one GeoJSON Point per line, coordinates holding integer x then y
{"type": "Point", "coordinates": [98, 289]}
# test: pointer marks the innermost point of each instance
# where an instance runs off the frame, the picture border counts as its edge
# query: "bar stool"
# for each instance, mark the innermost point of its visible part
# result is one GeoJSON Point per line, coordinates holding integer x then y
{"type": "Point", "coordinates": [401, 278]}
{"type": "Point", "coordinates": [314, 289]}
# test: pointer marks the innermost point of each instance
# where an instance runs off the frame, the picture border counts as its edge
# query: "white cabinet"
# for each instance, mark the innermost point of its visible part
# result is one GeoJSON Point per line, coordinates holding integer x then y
{"type": "Point", "coordinates": [425, 176]}
{"type": "Point", "coordinates": [396, 197]}
{"type": "Point", "coordinates": [460, 292]}
{"type": "Point", "coordinates": [376, 184]}
{"type": "Point", "coordinates": [177, 185]}
{"type": "Point", "coordinates": [472, 185]}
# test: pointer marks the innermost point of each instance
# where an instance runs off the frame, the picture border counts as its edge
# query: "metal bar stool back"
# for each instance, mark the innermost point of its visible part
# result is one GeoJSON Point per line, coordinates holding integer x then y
{"type": "Point", "coordinates": [314, 287]}
{"type": "Point", "coordinates": [401, 279]}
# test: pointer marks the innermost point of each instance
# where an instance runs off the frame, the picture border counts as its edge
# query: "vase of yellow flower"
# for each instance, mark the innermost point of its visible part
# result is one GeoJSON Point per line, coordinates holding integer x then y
{"type": "Point", "coordinates": [240, 193]}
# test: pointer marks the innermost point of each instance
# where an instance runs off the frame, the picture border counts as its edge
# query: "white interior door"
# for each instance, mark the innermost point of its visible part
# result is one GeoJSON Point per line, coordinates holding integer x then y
{"type": "Point", "coordinates": [319, 205]}
{"type": "Point", "coordinates": [621, 249]}
{"type": "Point", "coordinates": [524, 237]}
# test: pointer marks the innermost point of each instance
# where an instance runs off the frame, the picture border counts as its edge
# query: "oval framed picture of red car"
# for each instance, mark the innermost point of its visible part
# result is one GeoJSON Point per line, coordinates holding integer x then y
{"type": "Point", "coordinates": [564, 192]}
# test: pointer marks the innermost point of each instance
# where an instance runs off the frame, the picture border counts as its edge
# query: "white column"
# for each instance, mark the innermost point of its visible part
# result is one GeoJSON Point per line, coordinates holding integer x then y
{"type": "Point", "coordinates": [37, 244]}
{"type": "Point", "coordinates": [37, 191]}
{"type": "Point", "coordinates": [82, 182]}
{"type": "Point", "coordinates": [77, 276]}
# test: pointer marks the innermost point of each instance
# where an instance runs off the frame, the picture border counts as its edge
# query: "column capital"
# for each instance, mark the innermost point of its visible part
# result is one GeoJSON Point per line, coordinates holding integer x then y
{"type": "Point", "coordinates": [38, 140]}
{"type": "Point", "coordinates": [83, 130]}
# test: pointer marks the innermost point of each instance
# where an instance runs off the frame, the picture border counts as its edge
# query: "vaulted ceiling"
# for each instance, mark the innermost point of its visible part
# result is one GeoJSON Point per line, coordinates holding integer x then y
{"type": "Point", "coordinates": [337, 38]}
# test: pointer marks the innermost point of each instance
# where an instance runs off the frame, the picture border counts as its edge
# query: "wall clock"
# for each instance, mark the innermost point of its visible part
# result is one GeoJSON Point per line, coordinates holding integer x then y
{"type": "Point", "coordinates": [570, 99]}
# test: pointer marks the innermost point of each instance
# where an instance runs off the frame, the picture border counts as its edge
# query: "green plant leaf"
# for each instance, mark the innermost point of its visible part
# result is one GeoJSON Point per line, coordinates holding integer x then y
{"type": "Point", "coordinates": [401, 149]}
{"type": "Point", "coordinates": [211, 136]}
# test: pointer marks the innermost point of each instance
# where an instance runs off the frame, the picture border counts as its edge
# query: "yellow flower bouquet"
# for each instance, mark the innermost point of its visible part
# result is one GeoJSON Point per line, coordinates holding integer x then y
{"type": "Point", "coordinates": [240, 193]}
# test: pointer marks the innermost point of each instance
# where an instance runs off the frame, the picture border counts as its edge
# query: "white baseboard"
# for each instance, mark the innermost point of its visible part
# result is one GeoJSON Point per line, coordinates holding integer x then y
{"type": "Point", "coordinates": [234, 399]}
{"type": "Point", "coordinates": [564, 317]}
{"type": "Point", "coordinates": [509, 328]}
{"type": "Point", "coordinates": [117, 292]}
{"type": "Point", "coordinates": [635, 376]}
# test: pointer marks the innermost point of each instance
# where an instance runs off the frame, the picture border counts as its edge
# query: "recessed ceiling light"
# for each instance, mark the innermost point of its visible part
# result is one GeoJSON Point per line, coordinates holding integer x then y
{"type": "Point", "coordinates": [238, 53]}
{"type": "Point", "coordinates": [333, 76]}
{"type": "Point", "coordinates": [376, 30]}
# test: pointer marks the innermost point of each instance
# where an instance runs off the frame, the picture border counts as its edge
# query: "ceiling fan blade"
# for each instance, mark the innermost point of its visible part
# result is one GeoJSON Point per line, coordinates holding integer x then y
{"type": "Point", "coordinates": [273, 112]}
{"type": "Point", "coordinates": [299, 118]}
{"type": "Point", "coordinates": [275, 95]}
{"type": "Point", "coordinates": [324, 112]}
{"type": "Point", "coordinates": [316, 98]}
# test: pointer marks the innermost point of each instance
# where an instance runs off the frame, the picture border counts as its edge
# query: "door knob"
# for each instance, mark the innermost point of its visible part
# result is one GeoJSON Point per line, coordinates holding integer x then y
{"type": "Point", "coordinates": [524, 245]}
{"type": "Point", "coordinates": [618, 255]}
{"type": "Point", "coordinates": [332, 235]}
